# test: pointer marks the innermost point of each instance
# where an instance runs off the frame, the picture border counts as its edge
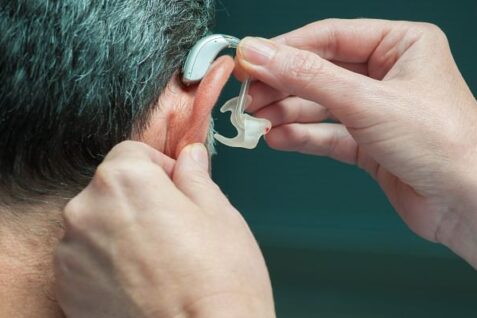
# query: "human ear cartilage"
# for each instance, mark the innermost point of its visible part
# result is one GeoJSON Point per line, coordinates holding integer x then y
{"type": "Point", "coordinates": [198, 62]}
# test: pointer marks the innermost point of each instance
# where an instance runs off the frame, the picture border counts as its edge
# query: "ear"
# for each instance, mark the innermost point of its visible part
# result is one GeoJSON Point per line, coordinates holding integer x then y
{"type": "Point", "coordinates": [183, 113]}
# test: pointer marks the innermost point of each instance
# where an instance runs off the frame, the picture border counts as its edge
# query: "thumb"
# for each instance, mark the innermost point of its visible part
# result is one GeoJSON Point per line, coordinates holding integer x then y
{"type": "Point", "coordinates": [305, 74]}
{"type": "Point", "coordinates": [191, 176]}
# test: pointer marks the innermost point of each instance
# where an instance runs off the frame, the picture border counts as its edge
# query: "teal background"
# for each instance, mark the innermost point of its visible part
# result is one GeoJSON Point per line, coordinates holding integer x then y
{"type": "Point", "coordinates": [334, 246]}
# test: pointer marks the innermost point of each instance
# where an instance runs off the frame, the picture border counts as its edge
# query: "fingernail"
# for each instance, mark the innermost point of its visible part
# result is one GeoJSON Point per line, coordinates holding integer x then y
{"type": "Point", "coordinates": [257, 51]}
{"type": "Point", "coordinates": [199, 154]}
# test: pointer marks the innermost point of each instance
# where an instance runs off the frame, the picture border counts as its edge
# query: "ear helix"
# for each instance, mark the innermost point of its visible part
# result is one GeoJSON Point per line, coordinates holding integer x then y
{"type": "Point", "coordinates": [199, 60]}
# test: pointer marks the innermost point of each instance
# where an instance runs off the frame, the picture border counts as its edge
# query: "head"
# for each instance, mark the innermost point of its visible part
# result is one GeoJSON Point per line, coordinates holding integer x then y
{"type": "Point", "coordinates": [79, 76]}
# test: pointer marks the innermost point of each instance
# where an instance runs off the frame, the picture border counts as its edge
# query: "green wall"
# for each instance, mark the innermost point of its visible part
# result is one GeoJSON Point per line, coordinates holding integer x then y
{"type": "Point", "coordinates": [334, 246]}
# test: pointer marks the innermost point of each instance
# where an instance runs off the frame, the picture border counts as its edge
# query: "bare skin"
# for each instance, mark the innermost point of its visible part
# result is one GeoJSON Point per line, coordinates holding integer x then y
{"type": "Point", "coordinates": [150, 237]}
{"type": "Point", "coordinates": [26, 267]}
{"type": "Point", "coordinates": [177, 248]}
{"type": "Point", "coordinates": [29, 234]}
{"type": "Point", "coordinates": [403, 113]}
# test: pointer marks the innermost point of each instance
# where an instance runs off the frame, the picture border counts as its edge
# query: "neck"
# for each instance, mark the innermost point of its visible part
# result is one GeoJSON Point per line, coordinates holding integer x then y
{"type": "Point", "coordinates": [27, 242]}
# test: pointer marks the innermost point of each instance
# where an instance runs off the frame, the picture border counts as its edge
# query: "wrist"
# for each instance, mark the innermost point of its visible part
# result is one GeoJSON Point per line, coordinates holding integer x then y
{"type": "Point", "coordinates": [459, 235]}
{"type": "Point", "coordinates": [234, 306]}
{"type": "Point", "coordinates": [458, 227]}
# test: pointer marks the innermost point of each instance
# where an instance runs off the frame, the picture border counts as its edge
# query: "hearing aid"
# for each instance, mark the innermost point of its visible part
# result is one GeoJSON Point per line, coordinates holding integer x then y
{"type": "Point", "coordinates": [200, 58]}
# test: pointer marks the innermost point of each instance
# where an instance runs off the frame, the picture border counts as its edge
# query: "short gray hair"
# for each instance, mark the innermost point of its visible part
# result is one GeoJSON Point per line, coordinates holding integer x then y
{"type": "Point", "coordinates": [79, 76]}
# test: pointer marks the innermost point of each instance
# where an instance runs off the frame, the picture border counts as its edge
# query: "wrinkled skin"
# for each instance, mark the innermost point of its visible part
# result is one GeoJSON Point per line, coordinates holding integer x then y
{"type": "Point", "coordinates": [177, 248]}
{"type": "Point", "coordinates": [402, 112]}
{"type": "Point", "coordinates": [150, 237]}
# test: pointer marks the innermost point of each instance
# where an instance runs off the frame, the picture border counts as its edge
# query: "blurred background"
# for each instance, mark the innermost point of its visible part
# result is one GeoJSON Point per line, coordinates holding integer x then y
{"type": "Point", "coordinates": [333, 244]}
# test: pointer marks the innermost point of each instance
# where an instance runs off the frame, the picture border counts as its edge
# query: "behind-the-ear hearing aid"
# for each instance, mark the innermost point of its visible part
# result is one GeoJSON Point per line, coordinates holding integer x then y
{"type": "Point", "coordinates": [198, 62]}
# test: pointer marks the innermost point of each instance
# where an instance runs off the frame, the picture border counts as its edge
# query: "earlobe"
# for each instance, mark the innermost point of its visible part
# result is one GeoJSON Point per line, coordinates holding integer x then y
{"type": "Point", "coordinates": [189, 124]}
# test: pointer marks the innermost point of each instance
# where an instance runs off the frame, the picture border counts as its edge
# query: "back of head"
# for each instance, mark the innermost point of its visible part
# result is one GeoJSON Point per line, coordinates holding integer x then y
{"type": "Point", "coordinates": [78, 77]}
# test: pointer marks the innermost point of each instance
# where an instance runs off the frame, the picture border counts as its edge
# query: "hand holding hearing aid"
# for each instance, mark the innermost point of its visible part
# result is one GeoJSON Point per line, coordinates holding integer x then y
{"type": "Point", "coordinates": [401, 108]}
{"type": "Point", "coordinates": [180, 251]}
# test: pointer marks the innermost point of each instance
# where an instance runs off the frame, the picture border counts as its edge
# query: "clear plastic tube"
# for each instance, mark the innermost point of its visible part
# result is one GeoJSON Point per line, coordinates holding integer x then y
{"type": "Point", "coordinates": [242, 101]}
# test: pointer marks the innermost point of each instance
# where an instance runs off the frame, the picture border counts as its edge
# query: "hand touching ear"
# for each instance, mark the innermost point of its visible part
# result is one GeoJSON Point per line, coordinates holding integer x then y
{"type": "Point", "coordinates": [150, 237]}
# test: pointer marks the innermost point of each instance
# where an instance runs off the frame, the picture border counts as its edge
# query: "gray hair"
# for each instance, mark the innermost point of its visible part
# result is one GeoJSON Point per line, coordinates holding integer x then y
{"type": "Point", "coordinates": [79, 76]}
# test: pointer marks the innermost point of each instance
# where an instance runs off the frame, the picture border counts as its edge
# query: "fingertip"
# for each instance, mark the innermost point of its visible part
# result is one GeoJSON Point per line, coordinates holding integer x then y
{"type": "Point", "coordinates": [192, 178]}
{"type": "Point", "coordinates": [194, 155]}
{"type": "Point", "coordinates": [254, 52]}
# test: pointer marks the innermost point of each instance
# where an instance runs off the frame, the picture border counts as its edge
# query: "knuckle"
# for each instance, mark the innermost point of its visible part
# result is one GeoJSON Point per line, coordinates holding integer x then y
{"type": "Point", "coordinates": [126, 145]}
{"type": "Point", "coordinates": [122, 172]}
{"type": "Point", "coordinates": [430, 27]}
{"type": "Point", "coordinates": [75, 217]}
{"type": "Point", "coordinates": [125, 149]}
{"type": "Point", "coordinates": [330, 21]}
{"type": "Point", "coordinates": [303, 138]}
{"type": "Point", "coordinates": [283, 114]}
{"type": "Point", "coordinates": [299, 138]}
{"type": "Point", "coordinates": [103, 178]}
{"type": "Point", "coordinates": [433, 30]}
{"type": "Point", "coordinates": [331, 145]}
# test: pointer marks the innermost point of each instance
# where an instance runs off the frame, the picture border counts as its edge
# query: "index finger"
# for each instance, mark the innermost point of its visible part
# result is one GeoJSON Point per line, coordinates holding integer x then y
{"type": "Point", "coordinates": [349, 41]}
